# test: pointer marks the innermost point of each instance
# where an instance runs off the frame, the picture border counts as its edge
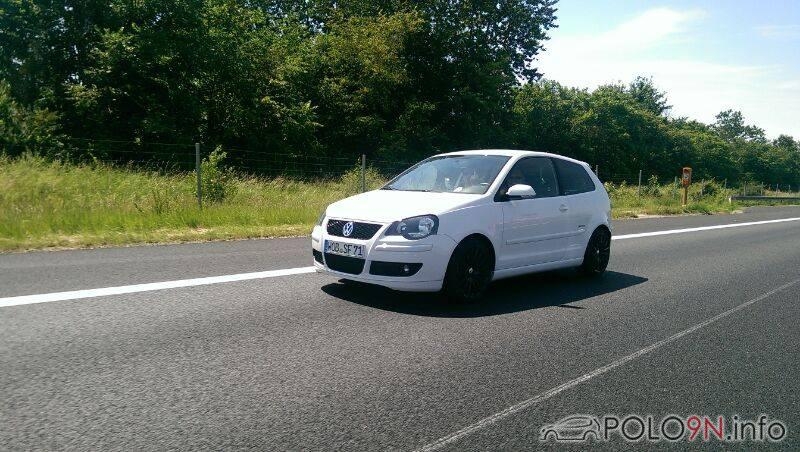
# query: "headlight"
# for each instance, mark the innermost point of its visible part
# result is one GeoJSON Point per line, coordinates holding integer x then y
{"type": "Point", "coordinates": [321, 218]}
{"type": "Point", "coordinates": [415, 228]}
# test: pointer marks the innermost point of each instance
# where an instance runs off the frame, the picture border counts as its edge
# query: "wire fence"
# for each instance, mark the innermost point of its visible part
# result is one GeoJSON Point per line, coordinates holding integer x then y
{"type": "Point", "coordinates": [743, 188]}
{"type": "Point", "coordinates": [184, 157]}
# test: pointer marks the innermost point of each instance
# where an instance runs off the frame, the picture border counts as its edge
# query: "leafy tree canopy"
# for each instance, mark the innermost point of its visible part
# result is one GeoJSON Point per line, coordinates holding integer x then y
{"type": "Point", "coordinates": [396, 79]}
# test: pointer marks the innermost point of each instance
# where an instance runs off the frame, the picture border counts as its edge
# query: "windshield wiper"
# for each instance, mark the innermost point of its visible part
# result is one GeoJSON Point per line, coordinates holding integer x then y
{"type": "Point", "coordinates": [389, 187]}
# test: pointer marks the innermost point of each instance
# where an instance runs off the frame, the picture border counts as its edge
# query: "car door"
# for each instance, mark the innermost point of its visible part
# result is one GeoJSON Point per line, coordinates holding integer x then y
{"type": "Point", "coordinates": [577, 189]}
{"type": "Point", "coordinates": [534, 228]}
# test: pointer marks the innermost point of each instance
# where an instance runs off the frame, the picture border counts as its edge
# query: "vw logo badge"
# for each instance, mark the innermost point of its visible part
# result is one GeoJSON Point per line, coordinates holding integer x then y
{"type": "Point", "coordinates": [347, 229]}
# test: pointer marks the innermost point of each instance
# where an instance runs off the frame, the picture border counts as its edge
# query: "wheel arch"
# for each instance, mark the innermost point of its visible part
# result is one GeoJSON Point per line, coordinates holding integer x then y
{"type": "Point", "coordinates": [483, 238]}
{"type": "Point", "coordinates": [599, 263]}
{"type": "Point", "coordinates": [602, 226]}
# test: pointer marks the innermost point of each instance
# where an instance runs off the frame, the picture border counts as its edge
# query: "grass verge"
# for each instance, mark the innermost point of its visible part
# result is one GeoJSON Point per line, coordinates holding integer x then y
{"type": "Point", "coordinates": [46, 204]}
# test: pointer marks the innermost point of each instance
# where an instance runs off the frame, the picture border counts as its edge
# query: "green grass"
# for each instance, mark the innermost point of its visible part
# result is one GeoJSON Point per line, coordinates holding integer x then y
{"type": "Point", "coordinates": [655, 199]}
{"type": "Point", "coordinates": [46, 204]}
{"type": "Point", "coordinates": [708, 197]}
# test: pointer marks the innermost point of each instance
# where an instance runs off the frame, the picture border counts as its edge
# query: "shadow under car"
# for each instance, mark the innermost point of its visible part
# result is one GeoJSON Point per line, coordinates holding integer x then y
{"type": "Point", "coordinates": [554, 288]}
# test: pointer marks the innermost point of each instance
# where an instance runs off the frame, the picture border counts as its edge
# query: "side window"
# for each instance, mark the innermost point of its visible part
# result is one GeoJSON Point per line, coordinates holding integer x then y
{"type": "Point", "coordinates": [538, 172]}
{"type": "Point", "coordinates": [572, 178]}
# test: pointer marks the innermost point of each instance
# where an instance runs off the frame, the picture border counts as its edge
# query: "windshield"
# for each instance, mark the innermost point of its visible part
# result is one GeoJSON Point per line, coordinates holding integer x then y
{"type": "Point", "coordinates": [451, 173]}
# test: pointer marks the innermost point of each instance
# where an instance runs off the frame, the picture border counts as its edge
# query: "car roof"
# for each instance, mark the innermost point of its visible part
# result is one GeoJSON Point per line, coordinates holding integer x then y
{"type": "Point", "coordinates": [512, 153]}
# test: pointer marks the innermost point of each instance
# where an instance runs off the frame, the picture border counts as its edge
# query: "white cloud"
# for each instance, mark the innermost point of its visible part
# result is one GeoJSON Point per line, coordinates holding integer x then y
{"type": "Point", "coordinates": [696, 88]}
{"type": "Point", "coordinates": [779, 31]}
{"type": "Point", "coordinates": [790, 85]}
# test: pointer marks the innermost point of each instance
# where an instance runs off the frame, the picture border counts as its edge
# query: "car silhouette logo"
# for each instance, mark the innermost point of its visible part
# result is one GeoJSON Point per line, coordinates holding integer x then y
{"type": "Point", "coordinates": [572, 428]}
{"type": "Point", "coordinates": [347, 229]}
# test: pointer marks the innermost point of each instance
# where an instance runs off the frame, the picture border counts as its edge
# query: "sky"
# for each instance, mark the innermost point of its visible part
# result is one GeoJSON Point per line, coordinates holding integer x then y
{"type": "Point", "coordinates": [708, 56]}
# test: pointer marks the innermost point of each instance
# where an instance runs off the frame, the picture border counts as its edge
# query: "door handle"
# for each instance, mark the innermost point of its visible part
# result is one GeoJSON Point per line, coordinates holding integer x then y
{"type": "Point", "coordinates": [563, 208]}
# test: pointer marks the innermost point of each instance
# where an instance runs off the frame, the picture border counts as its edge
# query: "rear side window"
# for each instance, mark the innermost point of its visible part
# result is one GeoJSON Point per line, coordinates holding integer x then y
{"type": "Point", "coordinates": [573, 178]}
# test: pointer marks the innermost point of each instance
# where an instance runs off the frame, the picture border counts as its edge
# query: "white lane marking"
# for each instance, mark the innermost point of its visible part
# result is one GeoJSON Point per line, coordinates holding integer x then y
{"type": "Point", "coordinates": [90, 293]}
{"type": "Point", "coordinates": [702, 228]}
{"type": "Point", "coordinates": [485, 422]}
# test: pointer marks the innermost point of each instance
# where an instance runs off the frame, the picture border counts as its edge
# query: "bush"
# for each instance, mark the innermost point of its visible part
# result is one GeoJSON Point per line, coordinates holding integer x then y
{"type": "Point", "coordinates": [653, 188]}
{"type": "Point", "coordinates": [708, 189]}
{"type": "Point", "coordinates": [26, 130]}
{"type": "Point", "coordinates": [352, 179]}
{"type": "Point", "coordinates": [214, 178]}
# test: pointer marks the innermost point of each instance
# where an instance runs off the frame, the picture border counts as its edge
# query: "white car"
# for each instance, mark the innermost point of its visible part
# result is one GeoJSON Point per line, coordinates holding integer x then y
{"type": "Point", "coordinates": [455, 222]}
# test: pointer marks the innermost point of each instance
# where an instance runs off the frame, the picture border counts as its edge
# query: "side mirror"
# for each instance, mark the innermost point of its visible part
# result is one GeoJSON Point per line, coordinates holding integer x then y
{"type": "Point", "coordinates": [520, 191]}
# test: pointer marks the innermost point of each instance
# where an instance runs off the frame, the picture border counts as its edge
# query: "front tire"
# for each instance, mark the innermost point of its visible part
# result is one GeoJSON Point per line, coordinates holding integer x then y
{"type": "Point", "coordinates": [598, 252]}
{"type": "Point", "coordinates": [469, 271]}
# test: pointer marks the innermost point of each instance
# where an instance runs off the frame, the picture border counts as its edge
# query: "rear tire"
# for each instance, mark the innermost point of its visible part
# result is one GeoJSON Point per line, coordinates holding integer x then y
{"type": "Point", "coordinates": [469, 271]}
{"type": "Point", "coordinates": [598, 252]}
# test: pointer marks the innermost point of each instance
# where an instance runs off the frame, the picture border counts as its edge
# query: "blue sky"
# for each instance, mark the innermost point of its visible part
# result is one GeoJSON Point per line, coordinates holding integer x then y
{"type": "Point", "coordinates": [707, 55]}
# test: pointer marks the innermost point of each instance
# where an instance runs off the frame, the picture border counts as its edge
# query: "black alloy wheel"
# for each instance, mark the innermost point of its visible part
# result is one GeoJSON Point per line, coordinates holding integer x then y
{"type": "Point", "coordinates": [598, 252]}
{"type": "Point", "coordinates": [469, 271]}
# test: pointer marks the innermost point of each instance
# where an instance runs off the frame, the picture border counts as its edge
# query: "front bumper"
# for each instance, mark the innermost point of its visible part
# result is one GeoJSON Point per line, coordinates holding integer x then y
{"type": "Point", "coordinates": [433, 252]}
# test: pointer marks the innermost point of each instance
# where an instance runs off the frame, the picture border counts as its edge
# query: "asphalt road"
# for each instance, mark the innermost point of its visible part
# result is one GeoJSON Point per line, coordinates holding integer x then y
{"type": "Point", "coordinates": [303, 362]}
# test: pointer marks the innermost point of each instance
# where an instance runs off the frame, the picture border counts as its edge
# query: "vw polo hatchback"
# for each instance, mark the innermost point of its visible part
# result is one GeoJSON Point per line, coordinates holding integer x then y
{"type": "Point", "coordinates": [455, 222]}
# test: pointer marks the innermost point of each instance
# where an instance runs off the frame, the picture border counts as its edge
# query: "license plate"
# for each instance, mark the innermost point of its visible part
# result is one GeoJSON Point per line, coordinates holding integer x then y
{"type": "Point", "coordinates": [344, 249]}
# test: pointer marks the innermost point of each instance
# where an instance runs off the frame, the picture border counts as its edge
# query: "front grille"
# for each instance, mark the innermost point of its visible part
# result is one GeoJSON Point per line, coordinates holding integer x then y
{"type": "Point", "coordinates": [317, 255]}
{"type": "Point", "coordinates": [344, 264]}
{"type": "Point", "coordinates": [361, 231]}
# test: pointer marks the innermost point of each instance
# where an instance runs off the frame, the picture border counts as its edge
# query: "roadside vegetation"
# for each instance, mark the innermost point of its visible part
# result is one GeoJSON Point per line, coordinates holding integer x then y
{"type": "Point", "coordinates": [397, 80]}
{"type": "Point", "coordinates": [50, 204]}
{"type": "Point", "coordinates": [656, 199]}
{"type": "Point", "coordinates": [299, 90]}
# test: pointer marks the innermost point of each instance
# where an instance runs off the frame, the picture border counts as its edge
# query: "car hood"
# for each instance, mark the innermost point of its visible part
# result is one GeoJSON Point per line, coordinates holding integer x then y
{"type": "Point", "coordinates": [391, 205]}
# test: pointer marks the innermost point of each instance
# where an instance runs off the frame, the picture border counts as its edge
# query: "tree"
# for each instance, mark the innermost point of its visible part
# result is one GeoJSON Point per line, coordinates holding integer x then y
{"type": "Point", "coordinates": [397, 79]}
{"type": "Point", "coordinates": [697, 145]}
{"type": "Point", "coordinates": [361, 80]}
{"type": "Point", "coordinates": [787, 142]}
{"type": "Point", "coordinates": [511, 31]}
{"type": "Point", "coordinates": [644, 92]}
{"type": "Point", "coordinates": [545, 114]}
{"type": "Point", "coordinates": [730, 126]}
{"type": "Point", "coordinates": [620, 135]}
{"type": "Point", "coordinates": [24, 129]}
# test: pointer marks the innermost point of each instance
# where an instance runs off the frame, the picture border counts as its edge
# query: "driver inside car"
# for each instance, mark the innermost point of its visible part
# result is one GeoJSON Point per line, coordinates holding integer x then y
{"type": "Point", "coordinates": [514, 177]}
{"type": "Point", "coordinates": [473, 178]}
